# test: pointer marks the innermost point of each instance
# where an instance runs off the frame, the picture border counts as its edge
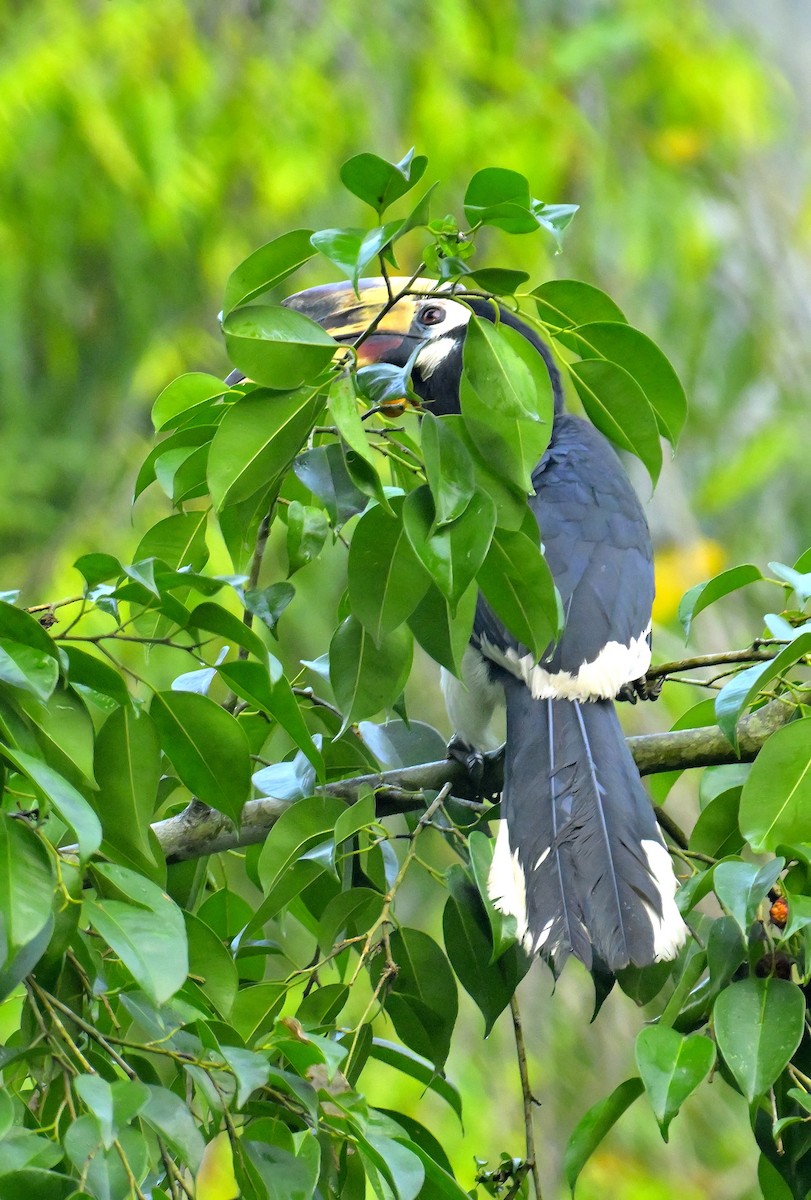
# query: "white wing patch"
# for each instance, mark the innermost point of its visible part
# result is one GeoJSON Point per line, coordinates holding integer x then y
{"type": "Point", "coordinates": [669, 930]}
{"type": "Point", "coordinates": [600, 679]}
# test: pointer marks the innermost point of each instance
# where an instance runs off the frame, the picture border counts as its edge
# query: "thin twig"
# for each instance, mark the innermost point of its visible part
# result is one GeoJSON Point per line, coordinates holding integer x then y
{"type": "Point", "coordinates": [528, 1097]}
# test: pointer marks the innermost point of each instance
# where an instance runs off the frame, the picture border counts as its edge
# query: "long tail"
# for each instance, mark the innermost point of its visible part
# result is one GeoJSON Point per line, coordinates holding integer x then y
{"type": "Point", "coordinates": [579, 860]}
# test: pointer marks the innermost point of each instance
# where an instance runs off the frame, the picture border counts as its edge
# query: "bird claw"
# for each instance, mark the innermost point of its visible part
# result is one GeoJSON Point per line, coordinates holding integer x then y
{"type": "Point", "coordinates": [470, 758]}
{"type": "Point", "coordinates": [641, 689]}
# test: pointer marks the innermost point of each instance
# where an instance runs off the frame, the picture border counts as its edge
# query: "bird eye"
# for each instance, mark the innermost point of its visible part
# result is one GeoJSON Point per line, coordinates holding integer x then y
{"type": "Point", "coordinates": [432, 314]}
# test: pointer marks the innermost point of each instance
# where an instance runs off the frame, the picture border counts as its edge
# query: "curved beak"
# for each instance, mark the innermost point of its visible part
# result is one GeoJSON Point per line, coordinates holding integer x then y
{"type": "Point", "coordinates": [345, 314]}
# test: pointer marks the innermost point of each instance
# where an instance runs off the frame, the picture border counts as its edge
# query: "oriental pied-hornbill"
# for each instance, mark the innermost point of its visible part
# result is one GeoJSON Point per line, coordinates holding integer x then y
{"type": "Point", "coordinates": [579, 860]}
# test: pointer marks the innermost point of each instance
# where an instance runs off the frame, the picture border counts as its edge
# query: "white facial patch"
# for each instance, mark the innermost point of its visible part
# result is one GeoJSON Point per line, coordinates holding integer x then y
{"type": "Point", "coordinates": [600, 679]}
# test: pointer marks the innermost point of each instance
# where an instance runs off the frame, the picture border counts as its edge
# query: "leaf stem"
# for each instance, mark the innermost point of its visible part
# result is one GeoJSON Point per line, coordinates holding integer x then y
{"type": "Point", "coordinates": [526, 1092]}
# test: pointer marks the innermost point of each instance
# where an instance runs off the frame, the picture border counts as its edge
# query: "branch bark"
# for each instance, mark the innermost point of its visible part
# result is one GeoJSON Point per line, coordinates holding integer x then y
{"type": "Point", "coordinates": [199, 830]}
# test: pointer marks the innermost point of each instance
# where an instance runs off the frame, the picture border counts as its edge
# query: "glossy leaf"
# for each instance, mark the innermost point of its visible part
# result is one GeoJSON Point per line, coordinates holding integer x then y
{"type": "Point", "coordinates": [146, 931]}
{"type": "Point", "coordinates": [127, 767]}
{"type": "Point", "coordinates": [448, 467]}
{"type": "Point", "coordinates": [617, 406]}
{"type": "Point", "coordinates": [19, 626]}
{"type": "Point", "coordinates": [323, 470]}
{"type": "Point", "coordinates": [277, 347]}
{"type": "Point", "coordinates": [257, 441]}
{"type": "Point", "coordinates": [301, 827]}
{"type": "Point", "coordinates": [171, 1120]}
{"type": "Point", "coordinates": [367, 676]}
{"type": "Point", "coordinates": [671, 1067]}
{"type": "Point", "coordinates": [776, 797]}
{"type": "Point", "coordinates": [386, 578]}
{"type": "Point", "coordinates": [703, 594]}
{"type": "Point", "coordinates": [469, 946]}
{"type": "Point", "coordinates": [380, 183]}
{"type": "Point", "coordinates": [63, 797]}
{"type": "Point", "coordinates": [564, 303]}
{"type": "Point", "coordinates": [716, 831]}
{"type": "Point", "coordinates": [593, 1127]}
{"type": "Point", "coordinates": [743, 688]}
{"type": "Point", "coordinates": [518, 586]}
{"type": "Point", "coordinates": [419, 1068]}
{"type": "Point", "coordinates": [630, 349]}
{"type": "Point", "coordinates": [758, 1025]}
{"type": "Point", "coordinates": [741, 887]}
{"type": "Point", "coordinates": [271, 693]}
{"type": "Point", "coordinates": [183, 396]}
{"type": "Point", "coordinates": [452, 554]}
{"type": "Point", "coordinates": [27, 883]}
{"type": "Point", "coordinates": [442, 633]}
{"type": "Point", "coordinates": [351, 250]}
{"type": "Point", "coordinates": [422, 1002]}
{"type": "Point", "coordinates": [28, 670]}
{"type": "Point", "coordinates": [267, 267]}
{"type": "Point", "coordinates": [207, 747]}
{"type": "Point", "coordinates": [307, 530]}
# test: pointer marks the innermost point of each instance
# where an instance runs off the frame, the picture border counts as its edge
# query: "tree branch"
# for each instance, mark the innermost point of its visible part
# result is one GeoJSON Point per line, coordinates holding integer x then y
{"type": "Point", "coordinates": [198, 830]}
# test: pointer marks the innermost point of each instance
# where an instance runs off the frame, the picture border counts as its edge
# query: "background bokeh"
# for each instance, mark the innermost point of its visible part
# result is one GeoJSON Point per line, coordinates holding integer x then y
{"type": "Point", "coordinates": [146, 148]}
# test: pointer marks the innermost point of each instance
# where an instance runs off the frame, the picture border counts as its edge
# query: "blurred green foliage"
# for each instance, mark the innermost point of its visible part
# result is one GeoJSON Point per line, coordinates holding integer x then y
{"type": "Point", "coordinates": [147, 148]}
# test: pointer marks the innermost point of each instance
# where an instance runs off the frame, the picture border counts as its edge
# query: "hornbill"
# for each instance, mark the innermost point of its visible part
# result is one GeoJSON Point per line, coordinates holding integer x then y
{"type": "Point", "coordinates": [579, 860]}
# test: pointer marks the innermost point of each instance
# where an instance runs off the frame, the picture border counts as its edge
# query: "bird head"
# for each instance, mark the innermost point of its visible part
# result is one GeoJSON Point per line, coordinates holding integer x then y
{"type": "Point", "coordinates": [426, 327]}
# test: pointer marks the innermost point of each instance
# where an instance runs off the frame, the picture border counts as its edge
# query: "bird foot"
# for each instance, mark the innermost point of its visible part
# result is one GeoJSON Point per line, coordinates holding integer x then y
{"type": "Point", "coordinates": [470, 758]}
{"type": "Point", "coordinates": [641, 689]}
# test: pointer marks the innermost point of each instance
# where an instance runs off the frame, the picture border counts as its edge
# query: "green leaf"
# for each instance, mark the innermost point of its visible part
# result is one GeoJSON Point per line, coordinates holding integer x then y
{"type": "Point", "coordinates": [300, 828]}
{"type": "Point", "coordinates": [269, 603]}
{"type": "Point", "coordinates": [29, 1182]}
{"type": "Point", "coordinates": [416, 1067]}
{"type": "Point", "coordinates": [277, 347]}
{"type": "Point", "coordinates": [257, 441]}
{"type": "Point", "coordinates": [348, 913]}
{"type": "Point", "coordinates": [367, 677]}
{"type": "Point", "coordinates": [704, 594]}
{"type": "Point", "coordinates": [146, 931]}
{"type": "Point", "coordinates": [27, 884]}
{"type": "Point", "coordinates": [452, 554]}
{"type": "Point", "coordinates": [379, 183]}
{"type": "Point", "coordinates": [211, 965]}
{"type": "Point", "coordinates": [506, 400]}
{"type": "Point", "coordinates": [776, 797]}
{"type": "Point", "coordinates": [386, 579]}
{"type": "Point", "coordinates": [499, 197]}
{"type": "Point", "coordinates": [251, 1071]}
{"type": "Point", "coordinates": [448, 467]}
{"type": "Point", "coordinates": [127, 769]}
{"type": "Point", "coordinates": [19, 626]}
{"type": "Point", "coordinates": [27, 669]}
{"type": "Point", "coordinates": [267, 267]}
{"type": "Point", "coordinates": [716, 831]}
{"type": "Point", "coordinates": [563, 303]}
{"type": "Point", "coordinates": [799, 582]}
{"type": "Point", "coordinates": [470, 948]}
{"type": "Point", "coordinates": [510, 501]}
{"type": "Point", "coordinates": [758, 1025]}
{"type": "Point", "coordinates": [343, 407]}
{"type": "Point", "coordinates": [355, 817]}
{"type": "Point", "coordinates": [63, 797]}
{"type": "Point", "coordinates": [671, 1067]}
{"type": "Point", "coordinates": [213, 618]}
{"type": "Point", "coordinates": [441, 633]}
{"type": "Point", "coordinates": [173, 1122]}
{"type": "Point", "coordinates": [518, 586]}
{"type": "Point", "coordinates": [423, 1001]}
{"type": "Point", "coordinates": [323, 470]}
{"type": "Point", "coordinates": [207, 747]}
{"type": "Point", "coordinates": [742, 689]}
{"type": "Point", "coordinates": [178, 541]}
{"type": "Point", "coordinates": [593, 1127]}
{"type": "Point", "coordinates": [307, 529]}
{"type": "Point", "coordinates": [499, 281]}
{"type": "Point", "coordinates": [617, 406]}
{"type": "Point", "coordinates": [741, 887]}
{"type": "Point", "coordinates": [86, 673]}
{"type": "Point", "coordinates": [620, 343]}
{"type": "Point", "coordinates": [353, 249]}
{"type": "Point", "coordinates": [271, 693]}
{"type": "Point", "coordinates": [182, 396]}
